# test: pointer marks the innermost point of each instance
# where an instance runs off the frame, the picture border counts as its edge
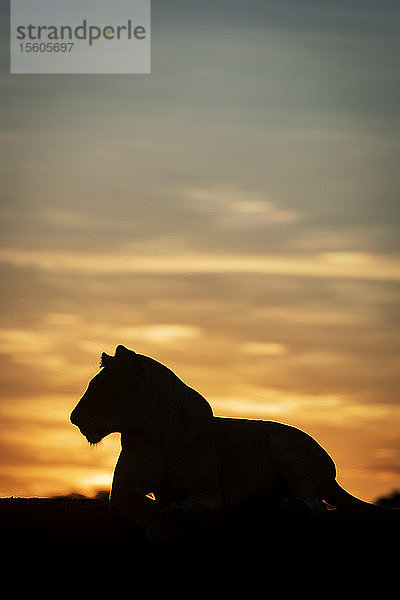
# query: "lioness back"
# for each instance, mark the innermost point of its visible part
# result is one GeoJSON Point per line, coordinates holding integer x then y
{"type": "Point", "coordinates": [250, 452]}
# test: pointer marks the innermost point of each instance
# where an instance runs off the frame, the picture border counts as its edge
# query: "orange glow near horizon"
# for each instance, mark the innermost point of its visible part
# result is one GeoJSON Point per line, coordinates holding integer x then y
{"type": "Point", "coordinates": [48, 456]}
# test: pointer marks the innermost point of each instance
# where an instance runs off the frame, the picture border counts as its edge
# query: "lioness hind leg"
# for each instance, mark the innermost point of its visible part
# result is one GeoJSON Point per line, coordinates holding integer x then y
{"type": "Point", "coordinates": [305, 468]}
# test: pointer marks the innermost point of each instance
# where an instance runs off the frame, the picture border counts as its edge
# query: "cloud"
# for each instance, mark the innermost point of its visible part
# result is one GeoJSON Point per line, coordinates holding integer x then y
{"type": "Point", "coordinates": [278, 404]}
{"type": "Point", "coordinates": [265, 348]}
{"type": "Point", "coordinates": [159, 334]}
{"type": "Point", "coordinates": [340, 265]}
{"type": "Point", "coordinates": [316, 334]}
{"type": "Point", "coordinates": [72, 219]}
{"type": "Point", "coordinates": [232, 206]}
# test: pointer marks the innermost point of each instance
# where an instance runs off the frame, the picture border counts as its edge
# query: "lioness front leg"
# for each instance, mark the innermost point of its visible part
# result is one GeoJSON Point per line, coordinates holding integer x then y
{"type": "Point", "coordinates": [129, 500]}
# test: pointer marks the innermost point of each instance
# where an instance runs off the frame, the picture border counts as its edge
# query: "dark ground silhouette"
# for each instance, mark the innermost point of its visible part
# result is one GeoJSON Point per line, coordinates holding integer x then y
{"type": "Point", "coordinates": [72, 537]}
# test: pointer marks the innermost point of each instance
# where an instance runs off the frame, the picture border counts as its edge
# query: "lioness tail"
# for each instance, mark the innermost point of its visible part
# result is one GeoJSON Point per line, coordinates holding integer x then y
{"type": "Point", "coordinates": [342, 500]}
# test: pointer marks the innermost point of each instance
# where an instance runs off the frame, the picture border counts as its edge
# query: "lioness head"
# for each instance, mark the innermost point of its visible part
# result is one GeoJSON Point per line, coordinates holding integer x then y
{"type": "Point", "coordinates": [107, 404]}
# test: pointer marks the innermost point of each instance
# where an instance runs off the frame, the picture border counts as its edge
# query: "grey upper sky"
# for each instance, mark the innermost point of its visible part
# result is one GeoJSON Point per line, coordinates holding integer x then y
{"type": "Point", "coordinates": [291, 103]}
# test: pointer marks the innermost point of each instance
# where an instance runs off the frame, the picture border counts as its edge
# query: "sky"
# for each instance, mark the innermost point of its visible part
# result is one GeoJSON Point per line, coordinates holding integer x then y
{"type": "Point", "coordinates": [234, 215]}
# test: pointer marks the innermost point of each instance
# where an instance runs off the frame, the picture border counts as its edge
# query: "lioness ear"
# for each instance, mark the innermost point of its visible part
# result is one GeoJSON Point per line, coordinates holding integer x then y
{"type": "Point", "coordinates": [129, 362]}
{"type": "Point", "coordinates": [122, 352]}
{"type": "Point", "coordinates": [106, 360]}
